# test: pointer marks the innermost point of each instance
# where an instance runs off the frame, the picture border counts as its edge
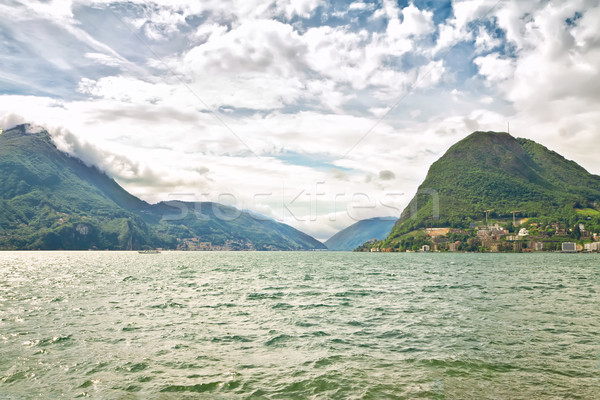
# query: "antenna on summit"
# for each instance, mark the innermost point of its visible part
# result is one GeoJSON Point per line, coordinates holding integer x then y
{"type": "Point", "coordinates": [508, 127]}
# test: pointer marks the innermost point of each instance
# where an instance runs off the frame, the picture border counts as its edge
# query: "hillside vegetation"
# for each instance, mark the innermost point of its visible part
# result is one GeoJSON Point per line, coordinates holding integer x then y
{"type": "Point", "coordinates": [49, 200]}
{"type": "Point", "coordinates": [501, 174]}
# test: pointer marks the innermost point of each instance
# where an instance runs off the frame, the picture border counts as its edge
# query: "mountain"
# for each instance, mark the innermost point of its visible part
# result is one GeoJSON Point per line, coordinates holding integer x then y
{"type": "Point", "coordinates": [358, 233]}
{"type": "Point", "coordinates": [227, 227]}
{"type": "Point", "coordinates": [50, 200]}
{"type": "Point", "coordinates": [499, 173]}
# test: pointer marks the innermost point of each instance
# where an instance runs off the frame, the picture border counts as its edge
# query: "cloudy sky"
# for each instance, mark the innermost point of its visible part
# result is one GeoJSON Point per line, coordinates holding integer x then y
{"type": "Point", "coordinates": [313, 113]}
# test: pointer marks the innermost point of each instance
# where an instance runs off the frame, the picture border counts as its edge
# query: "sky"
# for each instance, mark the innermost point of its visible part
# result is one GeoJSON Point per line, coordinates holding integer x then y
{"type": "Point", "coordinates": [316, 114]}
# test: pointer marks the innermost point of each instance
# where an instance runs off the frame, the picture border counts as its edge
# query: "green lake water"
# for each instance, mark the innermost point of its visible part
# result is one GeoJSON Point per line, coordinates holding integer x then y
{"type": "Point", "coordinates": [123, 325]}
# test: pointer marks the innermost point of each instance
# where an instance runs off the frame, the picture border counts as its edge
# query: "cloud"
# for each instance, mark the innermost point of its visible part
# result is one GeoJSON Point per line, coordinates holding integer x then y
{"type": "Point", "coordinates": [495, 68]}
{"type": "Point", "coordinates": [261, 46]}
{"type": "Point", "coordinates": [361, 6]}
{"type": "Point", "coordinates": [471, 124]}
{"type": "Point", "coordinates": [485, 41]}
{"type": "Point", "coordinates": [10, 120]}
{"type": "Point", "coordinates": [458, 28]}
{"type": "Point", "coordinates": [302, 8]}
{"type": "Point", "coordinates": [415, 22]}
{"type": "Point", "coordinates": [556, 84]}
{"type": "Point", "coordinates": [430, 74]}
{"type": "Point", "coordinates": [118, 166]}
{"type": "Point", "coordinates": [56, 10]}
{"type": "Point", "coordinates": [387, 175]}
{"type": "Point", "coordinates": [205, 31]}
{"type": "Point", "coordinates": [104, 59]}
{"type": "Point", "coordinates": [158, 23]}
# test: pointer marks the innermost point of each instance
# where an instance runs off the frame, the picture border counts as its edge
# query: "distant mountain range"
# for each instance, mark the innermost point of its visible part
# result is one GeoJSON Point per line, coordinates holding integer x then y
{"type": "Point", "coordinates": [500, 174]}
{"type": "Point", "coordinates": [356, 234]}
{"type": "Point", "coordinates": [50, 200]}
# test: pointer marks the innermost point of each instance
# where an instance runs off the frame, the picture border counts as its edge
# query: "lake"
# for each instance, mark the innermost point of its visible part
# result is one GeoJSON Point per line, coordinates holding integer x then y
{"type": "Point", "coordinates": [299, 325]}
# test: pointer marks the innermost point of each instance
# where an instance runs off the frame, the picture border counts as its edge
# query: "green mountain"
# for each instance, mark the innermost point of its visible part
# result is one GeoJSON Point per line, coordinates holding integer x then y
{"type": "Point", "coordinates": [358, 233]}
{"type": "Point", "coordinates": [499, 173]}
{"type": "Point", "coordinates": [50, 200]}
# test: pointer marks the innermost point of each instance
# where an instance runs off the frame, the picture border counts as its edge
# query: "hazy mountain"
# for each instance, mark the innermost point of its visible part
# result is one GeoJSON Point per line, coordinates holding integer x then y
{"type": "Point", "coordinates": [356, 234]}
{"type": "Point", "coordinates": [497, 172]}
{"type": "Point", "coordinates": [50, 200]}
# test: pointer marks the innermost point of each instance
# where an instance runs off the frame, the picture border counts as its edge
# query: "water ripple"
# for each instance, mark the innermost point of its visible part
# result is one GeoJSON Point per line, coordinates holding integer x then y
{"type": "Point", "coordinates": [299, 325]}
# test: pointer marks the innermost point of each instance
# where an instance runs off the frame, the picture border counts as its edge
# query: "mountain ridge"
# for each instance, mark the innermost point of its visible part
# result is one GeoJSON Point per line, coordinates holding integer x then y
{"type": "Point", "coordinates": [358, 233]}
{"type": "Point", "coordinates": [496, 172]}
{"type": "Point", "coordinates": [51, 200]}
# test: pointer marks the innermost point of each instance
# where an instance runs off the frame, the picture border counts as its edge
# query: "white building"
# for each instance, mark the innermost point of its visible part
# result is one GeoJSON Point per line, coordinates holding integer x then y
{"type": "Point", "coordinates": [425, 248]}
{"type": "Point", "coordinates": [569, 247]}
{"type": "Point", "coordinates": [523, 232]}
{"type": "Point", "coordinates": [592, 246]}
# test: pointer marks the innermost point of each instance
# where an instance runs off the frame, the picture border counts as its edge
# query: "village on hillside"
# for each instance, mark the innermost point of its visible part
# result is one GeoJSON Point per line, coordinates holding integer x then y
{"type": "Point", "coordinates": [515, 236]}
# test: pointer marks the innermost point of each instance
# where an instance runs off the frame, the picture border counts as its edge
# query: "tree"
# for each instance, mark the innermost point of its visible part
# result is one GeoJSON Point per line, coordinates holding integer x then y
{"type": "Point", "coordinates": [576, 232]}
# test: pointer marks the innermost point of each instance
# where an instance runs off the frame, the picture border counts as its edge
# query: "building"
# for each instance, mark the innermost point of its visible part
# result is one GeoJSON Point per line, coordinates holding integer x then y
{"type": "Point", "coordinates": [592, 246]}
{"type": "Point", "coordinates": [454, 246]}
{"type": "Point", "coordinates": [538, 246]}
{"type": "Point", "coordinates": [483, 233]}
{"type": "Point", "coordinates": [523, 232]}
{"type": "Point", "coordinates": [374, 250]}
{"type": "Point", "coordinates": [425, 248]}
{"type": "Point", "coordinates": [496, 231]}
{"type": "Point", "coordinates": [569, 247]}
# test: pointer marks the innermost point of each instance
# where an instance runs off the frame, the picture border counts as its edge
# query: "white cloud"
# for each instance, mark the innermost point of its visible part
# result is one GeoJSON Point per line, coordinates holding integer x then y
{"type": "Point", "coordinates": [358, 57]}
{"type": "Point", "coordinates": [414, 22]}
{"type": "Point", "coordinates": [329, 94]}
{"type": "Point", "coordinates": [456, 29]}
{"type": "Point", "coordinates": [262, 56]}
{"type": "Point", "coordinates": [159, 24]}
{"type": "Point", "coordinates": [303, 8]}
{"type": "Point", "coordinates": [10, 120]}
{"type": "Point", "coordinates": [361, 6]}
{"type": "Point", "coordinates": [553, 82]}
{"type": "Point", "coordinates": [379, 111]}
{"type": "Point", "coordinates": [495, 68]}
{"type": "Point", "coordinates": [484, 41]}
{"type": "Point", "coordinates": [104, 59]}
{"type": "Point", "coordinates": [56, 10]}
{"type": "Point", "coordinates": [265, 46]}
{"type": "Point", "coordinates": [430, 74]}
{"type": "Point", "coordinates": [206, 31]}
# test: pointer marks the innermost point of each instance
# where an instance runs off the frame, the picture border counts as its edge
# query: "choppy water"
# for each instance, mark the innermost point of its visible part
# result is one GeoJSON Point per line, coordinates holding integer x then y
{"type": "Point", "coordinates": [299, 325]}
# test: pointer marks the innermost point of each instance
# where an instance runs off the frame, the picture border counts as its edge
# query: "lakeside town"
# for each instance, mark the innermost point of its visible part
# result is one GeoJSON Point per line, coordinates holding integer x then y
{"type": "Point", "coordinates": [519, 236]}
